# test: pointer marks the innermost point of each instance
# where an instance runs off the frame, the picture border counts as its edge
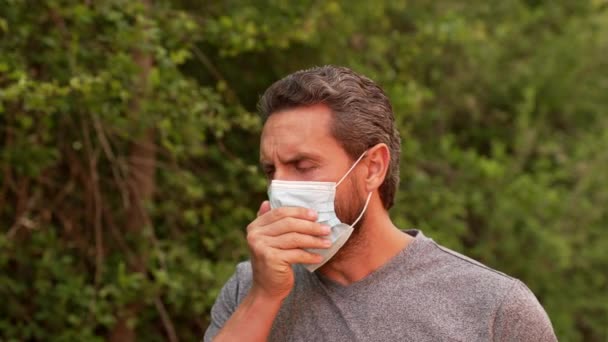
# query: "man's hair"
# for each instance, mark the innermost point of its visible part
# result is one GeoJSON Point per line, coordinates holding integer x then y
{"type": "Point", "coordinates": [362, 114]}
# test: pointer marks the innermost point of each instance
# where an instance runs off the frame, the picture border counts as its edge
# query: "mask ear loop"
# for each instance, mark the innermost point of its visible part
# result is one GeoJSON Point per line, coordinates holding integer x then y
{"type": "Point", "coordinates": [351, 168]}
{"type": "Point", "coordinates": [369, 196]}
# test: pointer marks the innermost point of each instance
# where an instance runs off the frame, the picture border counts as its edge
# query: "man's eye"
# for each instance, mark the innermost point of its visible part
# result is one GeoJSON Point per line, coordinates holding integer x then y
{"type": "Point", "coordinates": [303, 169]}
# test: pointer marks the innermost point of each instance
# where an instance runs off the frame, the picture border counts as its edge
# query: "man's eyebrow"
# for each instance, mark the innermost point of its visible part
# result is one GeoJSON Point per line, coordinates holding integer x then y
{"type": "Point", "coordinates": [292, 159]}
{"type": "Point", "coordinates": [300, 156]}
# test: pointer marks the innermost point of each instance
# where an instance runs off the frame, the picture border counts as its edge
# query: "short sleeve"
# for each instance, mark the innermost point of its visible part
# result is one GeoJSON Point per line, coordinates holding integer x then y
{"type": "Point", "coordinates": [520, 317]}
{"type": "Point", "coordinates": [223, 308]}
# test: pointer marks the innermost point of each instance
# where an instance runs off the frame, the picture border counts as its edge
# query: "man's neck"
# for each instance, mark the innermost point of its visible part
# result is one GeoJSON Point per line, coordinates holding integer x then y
{"type": "Point", "coordinates": [376, 242]}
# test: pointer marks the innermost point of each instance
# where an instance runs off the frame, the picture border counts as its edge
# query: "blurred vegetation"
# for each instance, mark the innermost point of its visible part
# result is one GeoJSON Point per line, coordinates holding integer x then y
{"type": "Point", "coordinates": [128, 148]}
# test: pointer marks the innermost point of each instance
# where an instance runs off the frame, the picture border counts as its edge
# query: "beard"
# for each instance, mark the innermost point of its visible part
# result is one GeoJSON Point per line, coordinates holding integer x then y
{"type": "Point", "coordinates": [350, 206]}
{"type": "Point", "coordinates": [348, 210]}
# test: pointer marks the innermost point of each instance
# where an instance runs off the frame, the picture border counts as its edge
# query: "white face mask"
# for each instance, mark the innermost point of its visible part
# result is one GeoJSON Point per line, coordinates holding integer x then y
{"type": "Point", "coordinates": [320, 197]}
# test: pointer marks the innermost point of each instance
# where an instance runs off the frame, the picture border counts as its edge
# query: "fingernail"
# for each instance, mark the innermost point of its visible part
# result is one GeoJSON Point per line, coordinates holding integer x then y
{"type": "Point", "coordinates": [325, 229]}
{"type": "Point", "coordinates": [326, 242]}
{"type": "Point", "coordinates": [312, 213]}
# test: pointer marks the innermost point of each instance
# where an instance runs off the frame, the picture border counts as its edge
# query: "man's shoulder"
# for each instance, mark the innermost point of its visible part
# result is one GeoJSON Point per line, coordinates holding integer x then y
{"type": "Point", "coordinates": [240, 282]}
{"type": "Point", "coordinates": [469, 287]}
{"type": "Point", "coordinates": [450, 263]}
{"type": "Point", "coordinates": [447, 272]}
{"type": "Point", "coordinates": [244, 270]}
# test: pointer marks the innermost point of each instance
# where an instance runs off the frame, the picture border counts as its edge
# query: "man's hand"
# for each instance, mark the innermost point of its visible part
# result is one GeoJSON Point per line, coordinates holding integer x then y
{"type": "Point", "coordinates": [276, 240]}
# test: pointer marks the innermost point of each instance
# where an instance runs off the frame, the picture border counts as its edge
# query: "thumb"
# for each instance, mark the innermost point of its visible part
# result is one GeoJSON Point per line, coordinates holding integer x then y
{"type": "Point", "coordinates": [264, 208]}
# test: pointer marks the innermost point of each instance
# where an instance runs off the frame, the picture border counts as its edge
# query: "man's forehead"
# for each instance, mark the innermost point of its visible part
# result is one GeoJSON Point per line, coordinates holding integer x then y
{"type": "Point", "coordinates": [309, 119]}
{"type": "Point", "coordinates": [300, 131]}
{"type": "Point", "coordinates": [291, 146]}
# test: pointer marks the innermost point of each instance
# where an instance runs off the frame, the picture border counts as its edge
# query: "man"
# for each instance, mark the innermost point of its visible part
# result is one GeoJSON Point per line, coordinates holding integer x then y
{"type": "Point", "coordinates": [327, 263]}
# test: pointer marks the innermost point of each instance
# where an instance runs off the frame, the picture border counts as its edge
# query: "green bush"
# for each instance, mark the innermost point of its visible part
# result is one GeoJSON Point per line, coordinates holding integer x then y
{"type": "Point", "coordinates": [128, 148]}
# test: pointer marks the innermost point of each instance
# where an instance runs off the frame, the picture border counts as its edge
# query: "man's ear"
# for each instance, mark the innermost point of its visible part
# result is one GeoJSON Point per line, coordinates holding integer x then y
{"type": "Point", "coordinates": [377, 161]}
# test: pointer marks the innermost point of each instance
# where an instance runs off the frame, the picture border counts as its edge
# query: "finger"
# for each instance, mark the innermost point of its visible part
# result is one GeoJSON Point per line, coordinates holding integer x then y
{"type": "Point", "coordinates": [294, 225]}
{"type": "Point", "coordinates": [297, 240]}
{"type": "Point", "coordinates": [264, 208]}
{"type": "Point", "coordinates": [283, 212]}
{"type": "Point", "coordinates": [300, 256]}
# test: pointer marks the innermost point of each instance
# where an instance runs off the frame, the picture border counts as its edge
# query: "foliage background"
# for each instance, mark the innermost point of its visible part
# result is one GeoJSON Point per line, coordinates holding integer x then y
{"type": "Point", "coordinates": [128, 148]}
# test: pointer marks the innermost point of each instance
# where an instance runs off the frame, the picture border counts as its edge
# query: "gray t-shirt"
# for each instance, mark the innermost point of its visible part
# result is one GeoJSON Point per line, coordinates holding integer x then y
{"type": "Point", "coordinates": [425, 293]}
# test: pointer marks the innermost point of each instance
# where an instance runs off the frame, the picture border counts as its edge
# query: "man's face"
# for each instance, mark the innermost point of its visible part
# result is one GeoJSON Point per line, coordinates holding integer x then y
{"type": "Point", "coordinates": [297, 145]}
